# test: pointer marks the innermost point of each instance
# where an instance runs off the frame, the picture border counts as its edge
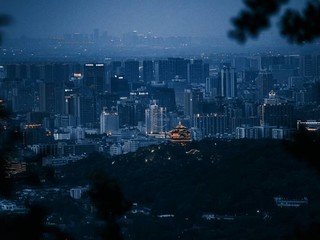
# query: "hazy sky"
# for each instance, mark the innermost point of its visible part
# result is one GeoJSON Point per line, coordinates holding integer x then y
{"type": "Point", "coordinates": [161, 17]}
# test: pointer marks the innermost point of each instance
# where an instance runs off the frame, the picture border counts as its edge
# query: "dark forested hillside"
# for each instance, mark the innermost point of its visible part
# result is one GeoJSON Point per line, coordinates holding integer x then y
{"type": "Point", "coordinates": [228, 178]}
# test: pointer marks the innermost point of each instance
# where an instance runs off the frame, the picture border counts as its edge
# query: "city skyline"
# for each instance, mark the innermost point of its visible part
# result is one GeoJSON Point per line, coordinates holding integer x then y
{"type": "Point", "coordinates": [166, 18]}
{"type": "Point", "coordinates": [148, 119]}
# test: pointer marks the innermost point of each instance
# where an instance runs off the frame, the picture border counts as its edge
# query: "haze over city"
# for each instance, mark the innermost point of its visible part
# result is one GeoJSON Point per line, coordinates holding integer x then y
{"type": "Point", "coordinates": [43, 18]}
{"type": "Point", "coordinates": [159, 119]}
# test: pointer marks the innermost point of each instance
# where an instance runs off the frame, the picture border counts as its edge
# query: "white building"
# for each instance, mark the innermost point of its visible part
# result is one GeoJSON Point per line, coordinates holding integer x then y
{"type": "Point", "coordinates": [109, 122]}
{"type": "Point", "coordinates": [6, 205]}
{"type": "Point", "coordinates": [62, 136]}
{"type": "Point", "coordinates": [130, 146]}
{"type": "Point", "coordinates": [77, 192]}
{"type": "Point", "coordinates": [115, 149]}
{"type": "Point", "coordinates": [284, 202]}
{"type": "Point", "coordinates": [155, 118]}
{"type": "Point", "coordinates": [255, 132]}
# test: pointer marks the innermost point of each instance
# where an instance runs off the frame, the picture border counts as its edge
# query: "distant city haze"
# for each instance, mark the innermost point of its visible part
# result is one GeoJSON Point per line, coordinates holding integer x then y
{"type": "Point", "coordinates": [194, 18]}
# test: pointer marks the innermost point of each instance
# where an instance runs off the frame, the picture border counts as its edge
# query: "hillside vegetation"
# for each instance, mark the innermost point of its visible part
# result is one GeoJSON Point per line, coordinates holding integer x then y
{"type": "Point", "coordinates": [235, 178]}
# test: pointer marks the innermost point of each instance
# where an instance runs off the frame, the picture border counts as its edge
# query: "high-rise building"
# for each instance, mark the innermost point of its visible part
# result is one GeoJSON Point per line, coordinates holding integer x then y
{"type": "Point", "coordinates": [109, 121]}
{"type": "Point", "coordinates": [16, 72]}
{"type": "Point", "coordinates": [228, 82]}
{"type": "Point", "coordinates": [120, 85]}
{"type": "Point", "coordinates": [34, 72]}
{"type": "Point", "coordinates": [35, 133]}
{"type": "Point", "coordinates": [172, 68]}
{"type": "Point", "coordinates": [211, 87]}
{"type": "Point", "coordinates": [179, 67]}
{"type": "Point", "coordinates": [95, 77]}
{"type": "Point", "coordinates": [162, 74]}
{"type": "Point", "coordinates": [87, 110]}
{"type": "Point", "coordinates": [22, 98]}
{"type": "Point", "coordinates": [46, 72]}
{"type": "Point", "coordinates": [96, 35]}
{"type": "Point", "coordinates": [178, 86]}
{"type": "Point", "coordinates": [155, 118]}
{"type": "Point", "coordinates": [276, 113]}
{"type": "Point", "coordinates": [115, 68]}
{"type": "Point", "coordinates": [264, 83]}
{"type": "Point", "coordinates": [266, 61]}
{"type": "Point", "coordinates": [148, 71]}
{"type": "Point", "coordinates": [61, 72]}
{"type": "Point", "coordinates": [130, 113]}
{"type": "Point", "coordinates": [131, 71]}
{"type": "Point", "coordinates": [82, 107]}
{"type": "Point", "coordinates": [310, 65]}
{"type": "Point", "coordinates": [164, 96]}
{"type": "Point", "coordinates": [198, 71]}
{"type": "Point", "coordinates": [210, 125]}
{"type": "Point", "coordinates": [192, 102]}
{"type": "Point", "coordinates": [47, 97]}
{"type": "Point", "coordinates": [71, 104]}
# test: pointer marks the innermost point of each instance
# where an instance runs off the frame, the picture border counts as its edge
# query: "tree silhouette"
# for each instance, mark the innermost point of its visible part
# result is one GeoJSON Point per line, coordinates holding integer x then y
{"type": "Point", "coordinates": [305, 147]}
{"type": "Point", "coordinates": [8, 139]}
{"type": "Point", "coordinates": [19, 226]}
{"type": "Point", "coordinates": [105, 193]}
{"type": "Point", "coordinates": [4, 21]}
{"type": "Point", "coordinates": [296, 27]}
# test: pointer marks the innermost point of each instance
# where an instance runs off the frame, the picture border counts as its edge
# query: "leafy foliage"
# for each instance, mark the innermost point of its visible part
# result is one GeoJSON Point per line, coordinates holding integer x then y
{"type": "Point", "coordinates": [4, 21]}
{"type": "Point", "coordinates": [296, 27]}
{"type": "Point", "coordinates": [211, 178]}
{"type": "Point", "coordinates": [106, 195]}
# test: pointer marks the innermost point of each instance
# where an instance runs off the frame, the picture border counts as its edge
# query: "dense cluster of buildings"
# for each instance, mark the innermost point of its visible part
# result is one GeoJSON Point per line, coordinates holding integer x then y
{"type": "Point", "coordinates": [116, 106]}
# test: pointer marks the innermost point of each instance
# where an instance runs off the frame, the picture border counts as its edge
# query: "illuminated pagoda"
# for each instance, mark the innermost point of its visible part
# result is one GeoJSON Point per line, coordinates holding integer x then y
{"type": "Point", "coordinates": [180, 134]}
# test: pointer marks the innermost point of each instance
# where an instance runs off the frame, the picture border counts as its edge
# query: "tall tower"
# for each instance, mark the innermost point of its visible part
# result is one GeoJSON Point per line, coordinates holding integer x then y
{"type": "Point", "coordinates": [192, 102]}
{"type": "Point", "coordinates": [130, 112]}
{"type": "Point", "coordinates": [131, 71]}
{"type": "Point", "coordinates": [148, 71]}
{"type": "Point", "coordinates": [72, 106]}
{"type": "Point", "coordinates": [264, 83]}
{"type": "Point", "coordinates": [47, 98]}
{"type": "Point", "coordinates": [198, 71]}
{"type": "Point", "coordinates": [155, 118]}
{"type": "Point", "coordinates": [87, 110]}
{"type": "Point", "coordinates": [94, 77]}
{"type": "Point", "coordinates": [228, 82]}
{"type": "Point", "coordinates": [211, 87]}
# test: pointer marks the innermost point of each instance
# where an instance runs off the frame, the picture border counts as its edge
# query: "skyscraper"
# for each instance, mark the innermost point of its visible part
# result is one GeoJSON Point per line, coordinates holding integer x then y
{"type": "Point", "coordinates": [155, 118]}
{"type": "Point", "coordinates": [210, 124]}
{"type": "Point", "coordinates": [228, 82]}
{"type": "Point", "coordinates": [198, 71]}
{"type": "Point", "coordinates": [130, 112]}
{"type": "Point", "coordinates": [109, 121]}
{"type": "Point", "coordinates": [47, 97]}
{"type": "Point", "coordinates": [87, 110]}
{"type": "Point", "coordinates": [275, 112]}
{"type": "Point", "coordinates": [192, 102]}
{"type": "Point", "coordinates": [131, 71]}
{"type": "Point", "coordinates": [310, 65]}
{"type": "Point", "coordinates": [148, 71]}
{"type": "Point", "coordinates": [172, 68]}
{"type": "Point", "coordinates": [211, 87]}
{"type": "Point", "coordinates": [119, 85]}
{"type": "Point", "coordinates": [94, 77]}
{"type": "Point", "coordinates": [265, 83]}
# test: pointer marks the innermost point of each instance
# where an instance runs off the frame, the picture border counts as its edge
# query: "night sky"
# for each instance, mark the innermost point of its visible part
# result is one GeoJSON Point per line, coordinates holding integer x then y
{"type": "Point", "coordinates": [41, 18]}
